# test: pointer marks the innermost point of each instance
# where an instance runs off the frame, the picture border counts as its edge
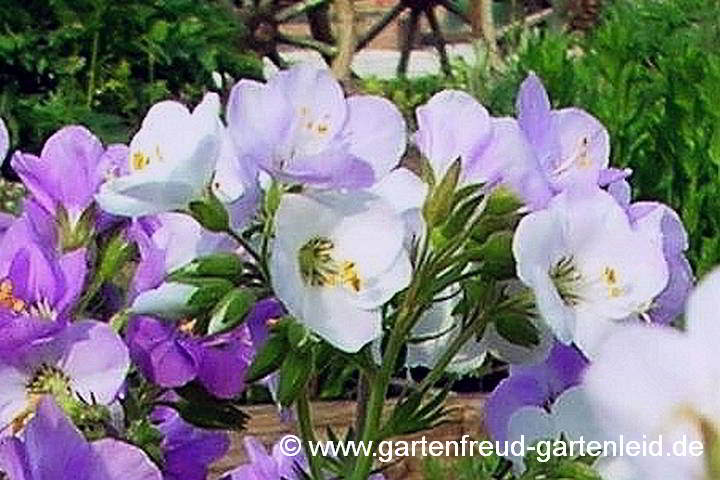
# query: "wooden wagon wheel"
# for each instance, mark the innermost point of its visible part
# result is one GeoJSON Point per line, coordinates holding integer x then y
{"type": "Point", "coordinates": [264, 18]}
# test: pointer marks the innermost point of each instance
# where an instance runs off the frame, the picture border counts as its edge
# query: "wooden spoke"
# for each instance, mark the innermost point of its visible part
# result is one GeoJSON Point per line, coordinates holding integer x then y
{"type": "Point", "coordinates": [451, 7]}
{"type": "Point", "coordinates": [409, 42]}
{"type": "Point", "coordinates": [375, 30]}
{"type": "Point", "coordinates": [439, 41]}
{"type": "Point", "coordinates": [306, 42]}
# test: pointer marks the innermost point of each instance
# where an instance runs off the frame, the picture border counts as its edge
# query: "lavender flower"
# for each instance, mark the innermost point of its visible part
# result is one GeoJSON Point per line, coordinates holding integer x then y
{"type": "Point", "coordinates": [664, 382]}
{"type": "Point", "coordinates": [669, 304]}
{"type": "Point", "coordinates": [69, 171]}
{"type": "Point", "coordinates": [51, 448]}
{"type": "Point", "coordinates": [4, 140]}
{"type": "Point", "coordinates": [35, 280]}
{"type": "Point", "coordinates": [170, 162]}
{"type": "Point", "coordinates": [85, 360]}
{"type": "Point", "coordinates": [570, 144]}
{"type": "Point", "coordinates": [187, 451]}
{"type": "Point", "coordinates": [171, 357]}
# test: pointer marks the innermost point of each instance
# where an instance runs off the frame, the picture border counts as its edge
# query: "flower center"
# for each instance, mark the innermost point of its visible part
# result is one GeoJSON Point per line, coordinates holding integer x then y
{"type": "Point", "coordinates": [318, 268]}
{"type": "Point", "coordinates": [8, 300]}
{"type": "Point", "coordinates": [140, 160]}
{"type": "Point", "coordinates": [315, 127]}
{"type": "Point", "coordinates": [581, 159]}
{"type": "Point", "coordinates": [566, 277]}
{"type": "Point", "coordinates": [610, 278]}
{"type": "Point", "coordinates": [49, 380]}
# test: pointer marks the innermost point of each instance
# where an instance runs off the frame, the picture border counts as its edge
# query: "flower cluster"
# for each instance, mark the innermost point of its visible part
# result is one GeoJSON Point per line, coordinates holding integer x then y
{"type": "Point", "coordinates": [144, 287]}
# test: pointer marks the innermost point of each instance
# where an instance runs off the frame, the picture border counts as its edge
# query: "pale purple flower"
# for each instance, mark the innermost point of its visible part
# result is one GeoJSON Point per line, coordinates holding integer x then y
{"type": "Point", "coordinates": [35, 279]}
{"type": "Point", "coordinates": [542, 402]}
{"type": "Point", "coordinates": [570, 144]}
{"type": "Point", "coordinates": [188, 451]}
{"type": "Point", "coordinates": [345, 264]}
{"type": "Point", "coordinates": [533, 385]}
{"type": "Point", "coordinates": [300, 128]}
{"type": "Point", "coordinates": [69, 171]}
{"type": "Point", "coordinates": [508, 160]}
{"type": "Point", "coordinates": [236, 182]}
{"type": "Point", "coordinates": [5, 221]}
{"type": "Point", "coordinates": [267, 466]}
{"type": "Point", "coordinates": [166, 242]}
{"type": "Point", "coordinates": [451, 125]}
{"type": "Point", "coordinates": [590, 268]}
{"type": "Point", "coordinates": [51, 448]}
{"type": "Point", "coordinates": [85, 360]}
{"type": "Point", "coordinates": [171, 357]}
{"type": "Point", "coordinates": [670, 303]}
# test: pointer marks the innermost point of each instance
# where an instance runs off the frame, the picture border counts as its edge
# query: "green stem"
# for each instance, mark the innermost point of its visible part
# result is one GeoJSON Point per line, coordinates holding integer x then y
{"type": "Point", "coordinates": [262, 264]}
{"type": "Point", "coordinates": [93, 68]}
{"type": "Point", "coordinates": [308, 435]}
{"type": "Point", "coordinates": [90, 292]}
{"type": "Point", "coordinates": [439, 369]}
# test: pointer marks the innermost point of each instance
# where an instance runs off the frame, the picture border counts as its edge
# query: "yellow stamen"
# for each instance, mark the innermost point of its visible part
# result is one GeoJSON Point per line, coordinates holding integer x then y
{"type": "Point", "coordinates": [8, 300]}
{"type": "Point", "coordinates": [140, 161]}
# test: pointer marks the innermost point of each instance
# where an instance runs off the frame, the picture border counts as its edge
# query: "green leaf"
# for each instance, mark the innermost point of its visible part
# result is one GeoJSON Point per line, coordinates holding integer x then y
{"type": "Point", "coordinates": [269, 358]}
{"type": "Point", "coordinates": [496, 255]}
{"type": "Point", "coordinates": [225, 265]}
{"type": "Point", "coordinates": [439, 203]}
{"type": "Point", "coordinates": [210, 291]}
{"type": "Point", "coordinates": [210, 213]}
{"type": "Point", "coordinates": [518, 329]}
{"type": "Point", "coordinates": [231, 310]}
{"type": "Point", "coordinates": [295, 372]}
{"type": "Point", "coordinates": [503, 202]}
{"type": "Point", "coordinates": [118, 252]}
{"type": "Point", "coordinates": [201, 409]}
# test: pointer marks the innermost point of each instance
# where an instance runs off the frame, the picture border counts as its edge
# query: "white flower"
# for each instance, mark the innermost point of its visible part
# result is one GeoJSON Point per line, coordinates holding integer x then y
{"type": "Point", "coordinates": [171, 161]}
{"type": "Point", "coordinates": [657, 381]}
{"type": "Point", "coordinates": [336, 259]}
{"type": "Point", "coordinates": [588, 267]}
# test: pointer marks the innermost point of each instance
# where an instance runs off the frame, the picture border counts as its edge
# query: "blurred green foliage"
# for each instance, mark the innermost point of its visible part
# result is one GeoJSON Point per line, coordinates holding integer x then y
{"type": "Point", "coordinates": [651, 73]}
{"type": "Point", "coordinates": [101, 63]}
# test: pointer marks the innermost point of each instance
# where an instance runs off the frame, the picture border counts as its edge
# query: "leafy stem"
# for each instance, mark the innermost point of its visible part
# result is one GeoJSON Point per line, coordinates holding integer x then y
{"type": "Point", "coordinates": [259, 259]}
{"type": "Point", "coordinates": [304, 417]}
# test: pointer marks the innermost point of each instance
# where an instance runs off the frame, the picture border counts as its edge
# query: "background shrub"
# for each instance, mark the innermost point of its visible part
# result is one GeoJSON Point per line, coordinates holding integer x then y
{"type": "Point", "coordinates": [101, 63]}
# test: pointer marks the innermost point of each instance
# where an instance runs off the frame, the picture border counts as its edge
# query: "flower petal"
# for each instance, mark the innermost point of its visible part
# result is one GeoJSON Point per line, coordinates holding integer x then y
{"type": "Point", "coordinates": [119, 461]}
{"type": "Point", "coordinates": [95, 377]}
{"type": "Point", "coordinates": [381, 148]}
